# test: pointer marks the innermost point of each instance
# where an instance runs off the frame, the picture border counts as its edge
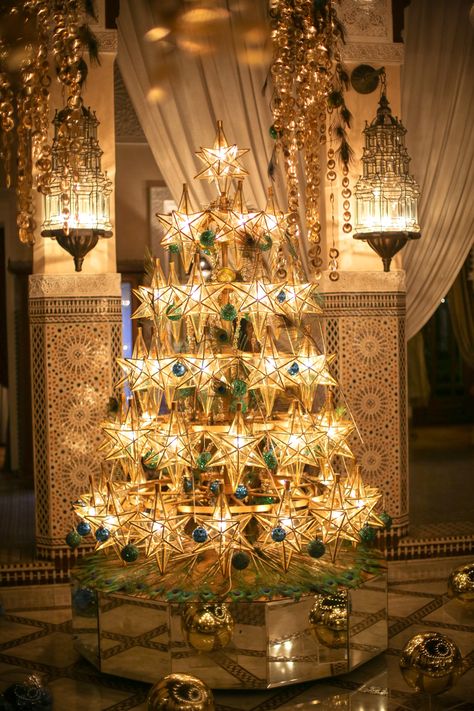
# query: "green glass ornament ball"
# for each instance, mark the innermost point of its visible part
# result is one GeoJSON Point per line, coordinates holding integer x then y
{"type": "Point", "coordinates": [239, 388]}
{"type": "Point", "coordinates": [150, 460]}
{"type": "Point", "coordinates": [207, 238]}
{"type": "Point", "coordinates": [173, 313]}
{"type": "Point", "coordinates": [73, 539]}
{"type": "Point", "coordinates": [203, 459]}
{"type": "Point", "coordinates": [273, 132]}
{"type": "Point", "coordinates": [387, 520]}
{"type": "Point", "coordinates": [265, 243]}
{"type": "Point", "coordinates": [173, 248]}
{"type": "Point", "coordinates": [367, 534]}
{"type": "Point", "coordinates": [270, 459]}
{"type": "Point", "coordinates": [240, 560]}
{"type": "Point", "coordinates": [265, 500]}
{"type": "Point", "coordinates": [316, 548]}
{"type": "Point", "coordinates": [228, 312]}
{"type": "Point", "coordinates": [129, 553]}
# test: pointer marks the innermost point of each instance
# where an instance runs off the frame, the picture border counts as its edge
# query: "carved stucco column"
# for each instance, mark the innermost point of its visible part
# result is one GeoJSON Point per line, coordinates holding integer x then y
{"type": "Point", "coordinates": [75, 330]}
{"type": "Point", "coordinates": [365, 326]}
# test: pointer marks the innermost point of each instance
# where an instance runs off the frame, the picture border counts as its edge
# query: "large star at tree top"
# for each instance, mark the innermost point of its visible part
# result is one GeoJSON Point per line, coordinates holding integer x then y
{"type": "Point", "coordinates": [222, 160]}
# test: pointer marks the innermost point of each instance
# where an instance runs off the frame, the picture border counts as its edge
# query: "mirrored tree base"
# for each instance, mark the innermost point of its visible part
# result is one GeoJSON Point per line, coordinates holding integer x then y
{"type": "Point", "coordinates": [235, 645]}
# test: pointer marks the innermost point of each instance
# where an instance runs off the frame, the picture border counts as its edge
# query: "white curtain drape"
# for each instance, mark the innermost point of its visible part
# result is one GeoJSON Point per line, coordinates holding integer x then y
{"type": "Point", "coordinates": [202, 90]}
{"type": "Point", "coordinates": [437, 106]}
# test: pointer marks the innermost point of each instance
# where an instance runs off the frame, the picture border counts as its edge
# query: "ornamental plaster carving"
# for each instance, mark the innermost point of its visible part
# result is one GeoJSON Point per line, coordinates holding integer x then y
{"type": "Point", "coordinates": [364, 282]}
{"type": "Point", "coordinates": [127, 125]}
{"type": "Point", "coordinates": [73, 285]}
{"type": "Point", "coordinates": [108, 40]}
{"type": "Point", "coordinates": [74, 344]}
{"type": "Point", "coordinates": [366, 53]}
{"type": "Point", "coordinates": [366, 20]}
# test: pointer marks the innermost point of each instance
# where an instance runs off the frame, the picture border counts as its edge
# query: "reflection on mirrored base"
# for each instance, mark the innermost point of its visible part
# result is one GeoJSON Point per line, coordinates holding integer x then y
{"type": "Point", "coordinates": [246, 645]}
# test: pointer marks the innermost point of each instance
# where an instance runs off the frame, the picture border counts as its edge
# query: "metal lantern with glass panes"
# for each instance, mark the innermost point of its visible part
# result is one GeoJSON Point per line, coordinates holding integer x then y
{"type": "Point", "coordinates": [76, 206]}
{"type": "Point", "coordinates": [386, 194]}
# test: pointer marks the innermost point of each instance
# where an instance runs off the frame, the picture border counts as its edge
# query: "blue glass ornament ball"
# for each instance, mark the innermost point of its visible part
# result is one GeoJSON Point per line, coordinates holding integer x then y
{"type": "Point", "coordinates": [278, 534]}
{"type": "Point", "coordinates": [179, 369]}
{"type": "Point", "coordinates": [241, 492]}
{"type": "Point", "coordinates": [214, 487]}
{"type": "Point", "coordinates": [294, 369]}
{"type": "Point", "coordinates": [187, 485]}
{"type": "Point", "coordinates": [83, 528]}
{"type": "Point", "coordinates": [200, 534]}
{"type": "Point", "coordinates": [102, 534]}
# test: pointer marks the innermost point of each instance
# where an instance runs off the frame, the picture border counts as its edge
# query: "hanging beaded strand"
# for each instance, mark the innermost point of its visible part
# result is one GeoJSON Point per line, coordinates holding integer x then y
{"type": "Point", "coordinates": [331, 176]}
{"type": "Point", "coordinates": [305, 39]}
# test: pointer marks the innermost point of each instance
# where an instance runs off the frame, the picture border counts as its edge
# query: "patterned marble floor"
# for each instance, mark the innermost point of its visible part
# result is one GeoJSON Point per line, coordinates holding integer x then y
{"type": "Point", "coordinates": [35, 636]}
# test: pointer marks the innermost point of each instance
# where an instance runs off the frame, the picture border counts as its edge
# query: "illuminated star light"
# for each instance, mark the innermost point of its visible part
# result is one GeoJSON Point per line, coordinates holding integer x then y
{"type": "Point", "coordinates": [159, 530]}
{"type": "Point", "coordinates": [297, 525]}
{"type": "Point", "coordinates": [334, 431]}
{"type": "Point", "coordinates": [127, 438]}
{"type": "Point", "coordinates": [114, 517]}
{"type": "Point", "coordinates": [171, 443]}
{"type": "Point", "coordinates": [338, 518]}
{"type": "Point", "coordinates": [225, 534]}
{"type": "Point", "coordinates": [182, 229]}
{"type": "Point", "coordinates": [236, 448]}
{"type": "Point", "coordinates": [222, 160]}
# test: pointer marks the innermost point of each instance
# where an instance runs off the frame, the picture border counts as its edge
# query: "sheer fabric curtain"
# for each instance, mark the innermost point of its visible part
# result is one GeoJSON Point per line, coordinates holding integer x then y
{"type": "Point", "coordinates": [201, 90]}
{"type": "Point", "coordinates": [437, 106]}
{"type": "Point", "coordinates": [461, 310]}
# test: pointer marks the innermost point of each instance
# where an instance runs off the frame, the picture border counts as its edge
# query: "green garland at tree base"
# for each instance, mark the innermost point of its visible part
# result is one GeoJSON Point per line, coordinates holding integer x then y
{"type": "Point", "coordinates": [199, 581]}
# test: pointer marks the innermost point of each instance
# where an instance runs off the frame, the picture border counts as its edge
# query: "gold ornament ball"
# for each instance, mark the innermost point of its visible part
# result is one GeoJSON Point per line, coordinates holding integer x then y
{"type": "Point", "coordinates": [431, 662]}
{"type": "Point", "coordinates": [328, 620]}
{"type": "Point", "coordinates": [225, 275]}
{"type": "Point", "coordinates": [461, 584]}
{"type": "Point", "coordinates": [207, 626]}
{"type": "Point", "coordinates": [180, 692]}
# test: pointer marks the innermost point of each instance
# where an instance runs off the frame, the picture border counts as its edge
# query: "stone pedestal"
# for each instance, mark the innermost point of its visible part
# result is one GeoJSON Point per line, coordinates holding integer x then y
{"type": "Point", "coordinates": [365, 326]}
{"type": "Point", "coordinates": [75, 328]}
